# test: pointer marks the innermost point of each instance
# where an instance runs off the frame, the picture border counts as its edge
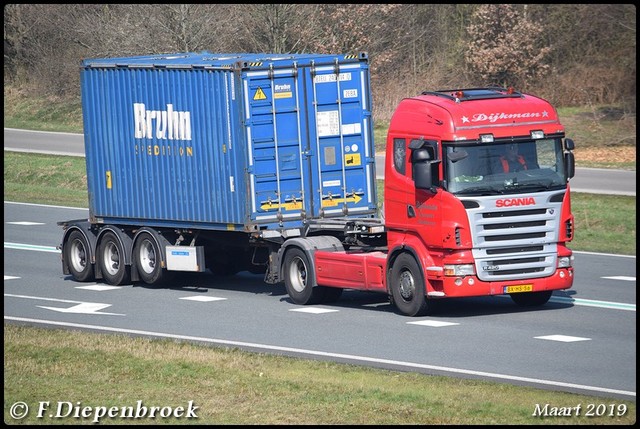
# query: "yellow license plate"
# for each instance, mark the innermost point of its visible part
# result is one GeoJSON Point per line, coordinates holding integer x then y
{"type": "Point", "coordinates": [518, 288]}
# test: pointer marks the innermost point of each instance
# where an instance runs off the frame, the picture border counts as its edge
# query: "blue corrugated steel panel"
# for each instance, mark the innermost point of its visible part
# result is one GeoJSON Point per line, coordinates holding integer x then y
{"type": "Point", "coordinates": [228, 141]}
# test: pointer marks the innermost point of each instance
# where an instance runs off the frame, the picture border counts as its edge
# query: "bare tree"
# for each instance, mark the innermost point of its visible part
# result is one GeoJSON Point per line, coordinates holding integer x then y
{"type": "Point", "coordinates": [569, 53]}
{"type": "Point", "coordinates": [505, 46]}
{"type": "Point", "coordinates": [275, 28]}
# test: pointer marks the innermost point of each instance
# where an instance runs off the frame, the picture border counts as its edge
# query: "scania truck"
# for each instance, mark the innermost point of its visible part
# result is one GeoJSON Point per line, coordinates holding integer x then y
{"type": "Point", "coordinates": [266, 163]}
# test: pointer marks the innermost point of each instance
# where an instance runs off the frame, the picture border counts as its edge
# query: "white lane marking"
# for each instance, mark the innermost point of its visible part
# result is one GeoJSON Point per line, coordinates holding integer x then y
{"type": "Point", "coordinates": [11, 277]}
{"type": "Point", "coordinates": [25, 223]}
{"type": "Point", "coordinates": [203, 298]}
{"type": "Point", "coordinates": [353, 358]}
{"type": "Point", "coordinates": [313, 310]}
{"type": "Point", "coordinates": [98, 288]}
{"type": "Point", "coordinates": [20, 246]}
{"type": "Point", "coordinates": [80, 307]}
{"type": "Point", "coordinates": [83, 308]}
{"type": "Point", "coordinates": [562, 338]}
{"type": "Point", "coordinates": [624, 278]}
{"type": "Point", "coordinates": [432, 323]}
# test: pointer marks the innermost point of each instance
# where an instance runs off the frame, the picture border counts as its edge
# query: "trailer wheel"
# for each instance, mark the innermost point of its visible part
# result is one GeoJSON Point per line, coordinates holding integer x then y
{"type": "Point", "coordinates": [147, 259]}
{"type": "Point", "coordinates": [407, 287]}
{"type": "Point", "coordinates": [111, 258]}
{"type": "Point", "coordinates": [76, 255]}
{"type": "Point", "coordinates": [531, 299]}
{"type": "Point", "coordinates": [299, 278]}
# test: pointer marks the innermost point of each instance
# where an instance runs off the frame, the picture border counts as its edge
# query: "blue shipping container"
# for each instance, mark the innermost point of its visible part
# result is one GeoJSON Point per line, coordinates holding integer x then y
{"type": "Point", "coordinates": [228, 141]}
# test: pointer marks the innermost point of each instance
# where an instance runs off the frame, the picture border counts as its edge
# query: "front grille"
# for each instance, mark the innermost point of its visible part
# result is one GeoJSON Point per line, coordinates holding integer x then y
{"type": "Point", "coordinates": [515, 244]}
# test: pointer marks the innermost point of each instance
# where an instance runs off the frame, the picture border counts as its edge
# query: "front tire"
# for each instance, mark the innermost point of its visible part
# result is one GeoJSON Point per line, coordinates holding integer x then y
{"type": "Point", "coordinates": [112, 262]}
{"type": "Point", "coordinates": [531, 299]}
{"type": "Point", "coordinates": [77, 257]}
{"type": "Point", "coordinates": [299, 278]}
{"type": "Point", "coordinates": [408, 287]}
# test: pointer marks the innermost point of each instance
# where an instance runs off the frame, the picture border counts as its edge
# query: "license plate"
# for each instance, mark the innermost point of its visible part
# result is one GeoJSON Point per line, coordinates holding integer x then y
{"type": "Point", "coordinates": [518, 288]}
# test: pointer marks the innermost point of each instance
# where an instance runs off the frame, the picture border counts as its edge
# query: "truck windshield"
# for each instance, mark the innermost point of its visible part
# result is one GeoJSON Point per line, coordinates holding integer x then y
{"type": "Point", "coordinates": [504, 167]}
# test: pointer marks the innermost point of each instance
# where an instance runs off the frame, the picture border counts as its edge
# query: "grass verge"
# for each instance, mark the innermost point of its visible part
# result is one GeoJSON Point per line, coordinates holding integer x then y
{"type": "Point", "coordinates": [234, 387]}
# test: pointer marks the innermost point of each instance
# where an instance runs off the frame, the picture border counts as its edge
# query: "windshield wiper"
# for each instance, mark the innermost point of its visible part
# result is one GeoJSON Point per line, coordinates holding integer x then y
{"type": "Point", "coordinates": [536, 186]}
{"type": "Point", "coordinates": [481, 190]}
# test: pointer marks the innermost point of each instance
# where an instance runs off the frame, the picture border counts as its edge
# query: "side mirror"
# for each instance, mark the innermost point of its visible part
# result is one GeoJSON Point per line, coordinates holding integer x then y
{"type": "Point", "coordinates": [420, 155]}
{"type": "Point", "coordinates": [570, 164]}
{"type": "Point", "coordinates": [424, 168]}
{"type": "Point", "coordinates": [569, 145]}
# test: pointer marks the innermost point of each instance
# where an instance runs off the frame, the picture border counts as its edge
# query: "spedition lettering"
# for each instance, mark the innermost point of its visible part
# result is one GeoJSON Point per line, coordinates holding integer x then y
{"type": "Point", "coordinates": [161, 124]}
{"type": "Point", "coordinates": [162, 150]}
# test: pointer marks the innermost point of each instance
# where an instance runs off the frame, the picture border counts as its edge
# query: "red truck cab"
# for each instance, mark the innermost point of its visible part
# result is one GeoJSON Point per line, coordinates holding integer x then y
{"type": "Point", "coordinates": [454, 215]}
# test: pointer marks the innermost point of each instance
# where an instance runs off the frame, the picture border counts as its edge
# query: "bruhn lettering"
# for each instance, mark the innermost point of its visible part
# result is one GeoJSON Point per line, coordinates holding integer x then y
{"type": "Point", "coordinates": [161, 124]}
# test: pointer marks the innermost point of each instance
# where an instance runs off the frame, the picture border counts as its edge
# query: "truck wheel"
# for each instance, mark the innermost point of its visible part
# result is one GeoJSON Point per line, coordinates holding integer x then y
{"type": "Point", "coordinates": [299, 278]}
{"type": "Point", "coordinates": [111, 258]}
{"type": "Point", "coordinates": [407, 286]}
{"type": "Point", "coordinates": [76, 255]}
{"type": "Point", "coordinates": [531, 299]}
{"type": "Point", "coordinates": [147, 259]}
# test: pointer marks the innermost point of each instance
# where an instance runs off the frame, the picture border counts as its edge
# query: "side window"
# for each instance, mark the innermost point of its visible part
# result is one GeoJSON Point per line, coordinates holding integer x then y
{"type": "Point", "coordinates": [400, 155]}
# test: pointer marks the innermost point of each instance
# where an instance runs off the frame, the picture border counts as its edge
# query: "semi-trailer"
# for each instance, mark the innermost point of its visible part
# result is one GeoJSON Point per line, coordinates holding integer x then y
{"type": "Point", "coordinates": [266, 163]}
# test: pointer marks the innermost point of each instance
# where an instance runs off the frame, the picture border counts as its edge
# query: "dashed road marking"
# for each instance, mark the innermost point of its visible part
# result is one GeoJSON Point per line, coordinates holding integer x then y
{"type": "Point", "coordinates": [98, 288]}
{"type": "Point", "coordinates": [313, 310]}
{"type": "Point", "coordinates": [624, 278]}
{"type": "Point", "coordinates": [202, 298]}
{"type": "Point", "coordinates": [562, 338]}
{"type": "Point", "coordinates": [432, 323]}
{"type": "Point", "coordinates": [24, 223]}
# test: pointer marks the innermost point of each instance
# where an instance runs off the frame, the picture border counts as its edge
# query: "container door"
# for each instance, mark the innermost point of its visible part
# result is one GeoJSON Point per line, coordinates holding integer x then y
{"type": "Point", "coordinates": [310, 146]}
{"type": "Point", "coordinates": [278, 149]}
{"type": "Point", "coordinates": [342, 141]}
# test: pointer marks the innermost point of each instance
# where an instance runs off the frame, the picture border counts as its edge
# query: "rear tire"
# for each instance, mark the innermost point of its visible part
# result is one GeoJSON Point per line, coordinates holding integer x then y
{"type": "Point", "coordinates": [147, 259]}
{"type": "Point", "coordinates": [408, 287]}
{"type": "Point", "coordinates": [77, 257]}
{"type": "Point", "coordinates": [531, 299]}
{"type": "Point", "coordinates": [111, 259]}
{"type": "Point", "coordinates": [299, 278]}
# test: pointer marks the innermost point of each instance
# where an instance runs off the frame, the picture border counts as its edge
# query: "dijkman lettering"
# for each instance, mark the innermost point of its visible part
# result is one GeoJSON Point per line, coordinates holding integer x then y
{"type": "Point", "coordinates": [493, 117]}
{"type": "Point", "coordinates": [161, 124]}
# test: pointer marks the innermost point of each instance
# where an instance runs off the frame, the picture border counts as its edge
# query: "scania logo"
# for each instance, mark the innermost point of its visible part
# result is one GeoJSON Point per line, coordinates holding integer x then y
{"type": "Point", "coordinates": [512, 202]}
{"type": "Point", "coordinates": [491, 268]}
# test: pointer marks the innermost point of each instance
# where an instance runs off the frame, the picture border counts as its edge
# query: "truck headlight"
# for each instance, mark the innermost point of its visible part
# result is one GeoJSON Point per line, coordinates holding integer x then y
{"type": "Point", "coordinates": [459, 270]}
{"type": "Point", "coordinates": [565, 261]}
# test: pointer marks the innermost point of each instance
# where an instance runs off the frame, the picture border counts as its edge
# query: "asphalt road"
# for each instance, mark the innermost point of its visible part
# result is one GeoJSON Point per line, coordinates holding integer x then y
{"type": "Point", "coordinates": [582, 341]}
{"type": "Point", "coordinates": [588, 180]}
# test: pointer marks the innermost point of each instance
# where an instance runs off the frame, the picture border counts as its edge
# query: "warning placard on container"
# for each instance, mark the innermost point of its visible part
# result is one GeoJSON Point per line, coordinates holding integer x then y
{"type": "Point", "coordinates": [352, 159]}
{"type": "Point", "coordinates": [260, 95]}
